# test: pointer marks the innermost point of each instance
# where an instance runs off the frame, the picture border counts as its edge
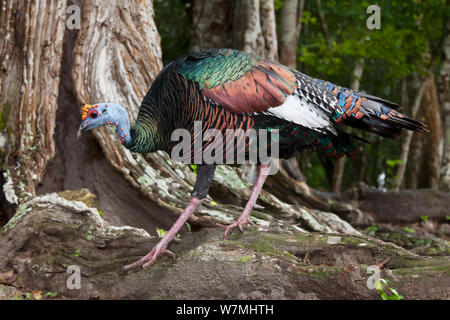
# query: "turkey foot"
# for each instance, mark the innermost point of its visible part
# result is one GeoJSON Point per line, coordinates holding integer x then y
{"type": "Point", "coordinates": [244, 219]}
{"type": "Point", "coordinates": [150, 257]}
{"type": "Point", "coordinates": [160, 248]}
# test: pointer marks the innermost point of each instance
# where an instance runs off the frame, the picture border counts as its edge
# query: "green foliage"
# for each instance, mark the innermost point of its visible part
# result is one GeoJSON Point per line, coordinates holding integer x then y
{"type": "Point", "coordinates": [390, 172]}
{"type": "Point", "coordinates": [392, 163]}
{"type": "Point", "coordinates": [77, 253]}
{"type": "Point", "coordinates": [173, 20]}
{"type": "Point", "coordinates": [277, 4]}
{"type": "Point", "coordinates": [315, 173]}
{"type": "Point", "coordinates": [193, 168]}
{"type": "Point", "coordinates": [409, 230]}
{"type": "Point", "coordinates": [408, 30]}
{"type": "Point", "coordinates": [51, 294]}
{"type": "Point", "coordinates": [161, 232]}
{"type": "Point", "coordinates": [371, 230]}
{"type": "Point", "coordinates": [382, 285]}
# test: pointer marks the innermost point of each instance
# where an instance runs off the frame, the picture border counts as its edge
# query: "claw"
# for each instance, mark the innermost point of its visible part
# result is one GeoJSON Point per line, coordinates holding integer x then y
{"type": "Point", "coordinates": [149, 259]}
{"type": "Point", "coordinates": [240, 223]}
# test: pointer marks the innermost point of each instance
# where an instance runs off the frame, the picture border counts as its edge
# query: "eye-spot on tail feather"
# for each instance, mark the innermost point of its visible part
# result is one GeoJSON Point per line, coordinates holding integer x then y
{"type": "Point", "coordinates": [370, 113]}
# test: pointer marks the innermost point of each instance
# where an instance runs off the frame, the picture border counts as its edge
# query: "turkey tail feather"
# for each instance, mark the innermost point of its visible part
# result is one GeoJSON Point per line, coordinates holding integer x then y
{"type": "Point", "coordinates": [370, 113]}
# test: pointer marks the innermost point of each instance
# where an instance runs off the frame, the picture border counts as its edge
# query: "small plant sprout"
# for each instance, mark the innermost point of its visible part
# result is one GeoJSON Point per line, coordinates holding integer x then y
{"type": "Point", "coordinates": [51, 294]}
{"type": "Point", "coordinates": [381, 285]}
{"type": "Point", "coordinates": [409, 230]}
{"type": "Point", "coordinates": [371, 230]}
{"type": "Point", "coordinates": [161, 232]}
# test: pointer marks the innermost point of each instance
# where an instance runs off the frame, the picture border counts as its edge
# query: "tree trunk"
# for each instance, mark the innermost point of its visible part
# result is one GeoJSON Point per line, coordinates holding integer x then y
{"type": "Point", "coordinates": [29, 78]}
{"type": "Point", "coordinates": [251, 22]}
{"type": "Point", "coordinates": [268, 26]}
{"type": "Point", "coordinates": [301, 7]}
{"type": "Point", "coordinates": [406, 144]}
{"type": "Point", "coordinates": [247, 29]}
{"type": "Point", "coordinates": [433, 150]}
{"type": "Point", "coordinates": [425, 158]}
{"type": "Point", "coordinates": [288, 33]}
{"type": "Point", "coordinates": [444, 99]}
{"type": "Point", "coordinates": [211, 30]}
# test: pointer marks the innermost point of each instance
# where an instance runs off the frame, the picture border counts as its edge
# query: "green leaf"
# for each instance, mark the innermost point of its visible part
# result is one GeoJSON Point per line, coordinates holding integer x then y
{"type": "Point", "coordinates": [409, 230]}
{"type": "Point", "coordinates": [193, 168]}
{"type": "Point", "coordinates": [393, 162]}
{"type": "Point", "coordinates": [161, 232]}
{"type": "Point", "coordinates": [51, 294]}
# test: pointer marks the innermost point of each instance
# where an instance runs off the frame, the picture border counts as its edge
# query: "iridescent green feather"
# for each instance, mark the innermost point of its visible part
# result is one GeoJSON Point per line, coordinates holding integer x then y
{"type": "Point", "coordinates": [213, 71]}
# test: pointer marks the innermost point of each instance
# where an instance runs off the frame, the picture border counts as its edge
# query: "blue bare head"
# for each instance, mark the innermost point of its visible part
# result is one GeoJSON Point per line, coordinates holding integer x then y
{"type": "Point", "coordinates": [106, 114]}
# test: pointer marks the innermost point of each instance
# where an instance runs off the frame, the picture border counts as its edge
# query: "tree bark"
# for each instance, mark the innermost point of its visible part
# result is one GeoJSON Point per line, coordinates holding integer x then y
{"type": "Point", "coordinates": [247, 28]}
{"type": "Point", "coordinates": [301, 7]}
{"type": "Point", "coordinates": [444, 98]}
{"type": "Point", "coordinates": [425, 155]}
{"type": "Point", "coordinates": [31, 36]}
{"type": "Point", "coordinates": [212, 24]}
{"type": "Point", "coordinates": [400, 175]}
{"type": "Point", "coordinates": [288, 33]}
{"type": "Point", "coordinates": [434, 139]}
{"type": "Point", "coordinates": [251, 22]}
{"type": "Point", "coordinates": [268, 26]}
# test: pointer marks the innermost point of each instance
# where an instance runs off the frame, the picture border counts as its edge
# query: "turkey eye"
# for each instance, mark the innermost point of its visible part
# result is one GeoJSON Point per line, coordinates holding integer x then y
{"type": "Point", "coordinates": [93, 114]}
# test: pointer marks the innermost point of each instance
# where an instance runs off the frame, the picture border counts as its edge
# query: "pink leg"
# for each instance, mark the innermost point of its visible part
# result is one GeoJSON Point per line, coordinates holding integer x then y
{"type": "Point", "coordinates": [244, 219]}
{"type": "Point", "coordinates": [151, 257]}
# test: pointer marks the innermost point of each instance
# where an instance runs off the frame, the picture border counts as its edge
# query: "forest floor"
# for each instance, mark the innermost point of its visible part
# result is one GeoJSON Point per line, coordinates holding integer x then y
{"type": "Point", "coordinates": [52, 233]}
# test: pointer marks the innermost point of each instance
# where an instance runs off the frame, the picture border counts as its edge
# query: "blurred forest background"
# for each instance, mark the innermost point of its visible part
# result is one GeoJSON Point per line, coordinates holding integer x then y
{"type": "Point", "coordinates": [406, 61]}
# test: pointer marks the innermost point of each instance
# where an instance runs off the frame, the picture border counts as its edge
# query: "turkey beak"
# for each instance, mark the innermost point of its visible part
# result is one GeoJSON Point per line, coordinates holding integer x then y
{"type": "Point", "coordinates": [80, 129]}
